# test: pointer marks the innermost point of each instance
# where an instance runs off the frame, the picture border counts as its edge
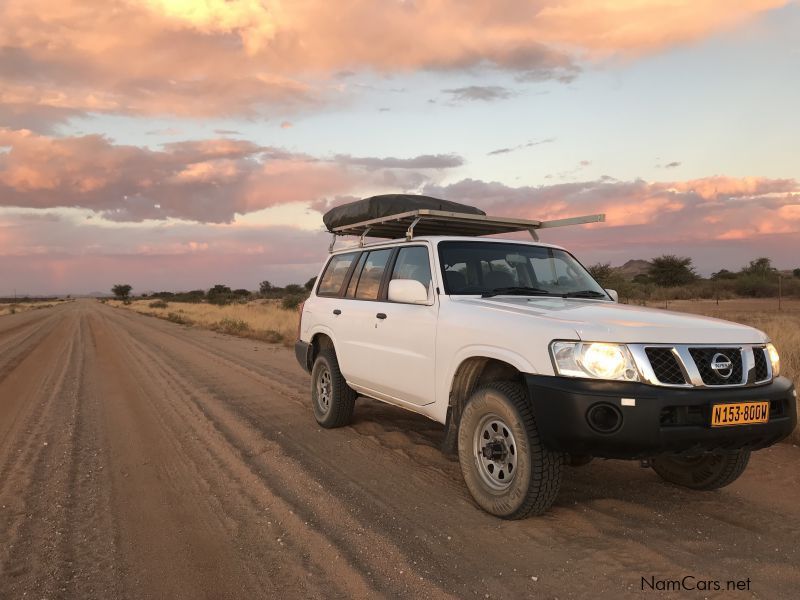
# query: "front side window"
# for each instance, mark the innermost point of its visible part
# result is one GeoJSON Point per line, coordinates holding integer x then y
{"type": "Point", "coordinates": [490, 268]}
{"type": "Point", "coordinates": [369, 281]}
{"type": "Point", "coordinates": [413, 263]}
{"type": "Point", "coordinates": [332, 279]}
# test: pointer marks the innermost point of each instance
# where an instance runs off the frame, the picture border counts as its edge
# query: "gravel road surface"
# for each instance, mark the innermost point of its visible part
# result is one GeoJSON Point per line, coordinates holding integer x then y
{"type": "Point", "coordinates": [144, 459]}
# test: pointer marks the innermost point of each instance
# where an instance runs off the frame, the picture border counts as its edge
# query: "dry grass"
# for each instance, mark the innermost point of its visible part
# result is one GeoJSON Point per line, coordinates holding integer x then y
{"type": "Point", "coordinates": [20, 307]}
{"type": "Point", "coordinates": [261, 319]}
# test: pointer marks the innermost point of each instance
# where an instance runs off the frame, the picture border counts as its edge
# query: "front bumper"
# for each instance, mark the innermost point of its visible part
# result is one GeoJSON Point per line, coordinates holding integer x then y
{"type": "Point", "coordinates": [662, 421]}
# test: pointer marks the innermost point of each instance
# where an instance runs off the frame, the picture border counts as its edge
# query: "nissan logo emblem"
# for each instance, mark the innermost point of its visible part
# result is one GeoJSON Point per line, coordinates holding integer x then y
{"type": "Point", "coordinates": [722, 365]}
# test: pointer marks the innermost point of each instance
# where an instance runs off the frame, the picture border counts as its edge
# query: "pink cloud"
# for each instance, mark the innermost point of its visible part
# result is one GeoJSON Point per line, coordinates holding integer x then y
{"type": "Point", "coordinates": [243, 57]}
{"type": "Point", "coordinates": [206, 180]}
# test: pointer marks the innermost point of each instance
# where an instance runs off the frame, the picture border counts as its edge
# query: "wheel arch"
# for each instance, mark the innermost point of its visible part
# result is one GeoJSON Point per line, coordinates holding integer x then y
{"type": "Point", "coordinates": [471, 373]}
{"type": "Point", "coordinates": [320, 339]}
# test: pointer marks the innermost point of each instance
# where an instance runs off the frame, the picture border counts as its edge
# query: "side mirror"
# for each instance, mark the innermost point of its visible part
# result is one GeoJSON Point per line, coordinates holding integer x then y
{"type": "Point", "coordinates": [614, 295]}
{"type": "Point", "coordinates": [407, 291]}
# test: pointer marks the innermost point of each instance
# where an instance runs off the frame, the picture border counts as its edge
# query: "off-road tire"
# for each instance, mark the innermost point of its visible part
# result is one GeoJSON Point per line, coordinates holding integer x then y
{"type": "Point", "coordinates": [709, 471]}
{"type": "Point", "coordinates": [334, 408]}
{"type": "Point", "coordinates": [537, 473]}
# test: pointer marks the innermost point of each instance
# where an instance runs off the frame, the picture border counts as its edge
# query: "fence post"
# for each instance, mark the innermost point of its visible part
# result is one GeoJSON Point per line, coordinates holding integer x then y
{"type": "Point", "coordinates": [780, 290]}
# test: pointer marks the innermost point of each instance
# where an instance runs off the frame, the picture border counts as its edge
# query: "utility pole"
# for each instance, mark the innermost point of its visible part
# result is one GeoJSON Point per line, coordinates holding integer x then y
{"type": "Point", "coordinates": [780, 290]}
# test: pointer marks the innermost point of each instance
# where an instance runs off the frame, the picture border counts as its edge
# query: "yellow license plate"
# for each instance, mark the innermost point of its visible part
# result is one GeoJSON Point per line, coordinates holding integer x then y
{"type": "Point", "coordinates": [740, 413]}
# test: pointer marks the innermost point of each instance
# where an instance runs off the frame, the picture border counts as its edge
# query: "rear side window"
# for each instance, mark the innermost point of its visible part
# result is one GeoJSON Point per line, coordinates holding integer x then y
{"type": "Point", "coordinates": [335, 272]}
{"type": "Point", "coordinates": [369, 282]}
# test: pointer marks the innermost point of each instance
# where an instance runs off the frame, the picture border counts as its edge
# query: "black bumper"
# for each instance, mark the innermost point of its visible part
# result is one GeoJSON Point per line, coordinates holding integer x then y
{"type": "Point", "coordinates": [663, 420]}
{"type": "Point", "coordinates": [301, 353]}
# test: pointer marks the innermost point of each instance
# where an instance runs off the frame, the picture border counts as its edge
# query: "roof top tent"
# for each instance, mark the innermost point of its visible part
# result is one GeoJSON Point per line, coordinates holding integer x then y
{"type": "Point", "coordinates": [394, 216]}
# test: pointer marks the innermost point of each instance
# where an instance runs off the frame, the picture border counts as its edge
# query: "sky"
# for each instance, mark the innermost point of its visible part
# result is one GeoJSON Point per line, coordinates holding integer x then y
{"type": "Point", "coordinates": [177, 144]}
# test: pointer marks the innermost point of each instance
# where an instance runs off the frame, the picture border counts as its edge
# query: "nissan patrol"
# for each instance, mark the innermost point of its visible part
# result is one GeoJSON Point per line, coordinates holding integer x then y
{"type": "Point", "coordinates": [530, 364]}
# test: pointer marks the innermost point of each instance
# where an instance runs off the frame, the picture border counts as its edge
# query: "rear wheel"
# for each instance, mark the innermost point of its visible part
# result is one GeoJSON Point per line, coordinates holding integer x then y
{"type": "Point", "coordinates": [709, 471]}
{"type": "Point", "coordinates": [331, 397]}
{"type": "Point", "coordinates": [508, 471]}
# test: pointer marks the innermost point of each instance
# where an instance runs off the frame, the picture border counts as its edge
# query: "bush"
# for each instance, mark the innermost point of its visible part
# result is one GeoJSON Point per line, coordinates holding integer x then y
{"type": "Point", "coordinates": [756, 286]}
{"type": "Point", "coordinates": [158, 304]}
{"type": "Point", "coordinates": [292, 302]}
{"type": "Point", "coordinates": [127, 302]}
{"type": "Point", "coordinates": [270, 335]}
{"type": "Point", "coordinates": [231, 326]}
{"type": "Point", "coordinates": [179, 319]}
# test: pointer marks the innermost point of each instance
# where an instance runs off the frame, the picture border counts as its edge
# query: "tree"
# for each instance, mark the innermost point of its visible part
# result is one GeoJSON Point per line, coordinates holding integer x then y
{"type": "Point", "coordinates": [310, 283]}
{"type": "Point", "coordinates": [264, 288]}
{"type": "Point", "coordinates": [293, 289]}
{"type": "Point", "coordinates": [796, 273]}
{"type": "Point", "coordinates": [219, 294]}
{"type": "Point", "coordinates": [121, 291]}
{"type": "Point", "coordinates": [723, 274]}
{"type": "Point", "coordinates": [670, 270]}
{"type": "Point", "coordinates": [761, 267]}
{"type": "Point", "coordinates": [602, 272]}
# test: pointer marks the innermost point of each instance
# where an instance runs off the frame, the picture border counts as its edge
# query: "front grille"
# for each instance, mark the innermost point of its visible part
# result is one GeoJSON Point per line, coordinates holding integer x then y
{"type": "Point", "coordinates": [665, 365]}
{"type": "Point", "coordinates": [761, 371]}
{"type": "Point", "coordinates": [702, 359]}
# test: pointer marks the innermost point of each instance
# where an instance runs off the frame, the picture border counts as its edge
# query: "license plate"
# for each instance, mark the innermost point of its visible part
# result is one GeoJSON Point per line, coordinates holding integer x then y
{"type": "Point", "coordinates": [740, 413]}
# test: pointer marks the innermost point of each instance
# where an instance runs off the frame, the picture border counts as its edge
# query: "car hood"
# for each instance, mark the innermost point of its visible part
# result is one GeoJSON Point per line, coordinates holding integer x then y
{"type": "Point", "coordinates": [594, 320]}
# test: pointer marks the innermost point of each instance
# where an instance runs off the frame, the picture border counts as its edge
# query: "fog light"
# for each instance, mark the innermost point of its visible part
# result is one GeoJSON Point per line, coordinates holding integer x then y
{"type": "Point", "coordinates": [604, 418]}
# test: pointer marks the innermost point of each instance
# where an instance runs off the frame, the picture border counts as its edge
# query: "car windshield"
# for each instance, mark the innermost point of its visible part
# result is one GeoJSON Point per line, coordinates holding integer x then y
{"type": "Point", "coordinates": [492, 268]}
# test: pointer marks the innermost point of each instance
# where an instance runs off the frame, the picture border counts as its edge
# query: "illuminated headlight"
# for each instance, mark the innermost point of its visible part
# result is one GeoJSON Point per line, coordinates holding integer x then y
{"type": "Point", "coordinates": [775, 359]}
{"type": "Point", "coordinates": [594, 360]}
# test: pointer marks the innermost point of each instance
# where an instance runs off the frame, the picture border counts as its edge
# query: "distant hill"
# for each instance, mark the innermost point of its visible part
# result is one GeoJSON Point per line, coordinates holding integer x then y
{"type": "Point", "coordinates": [634, 267]}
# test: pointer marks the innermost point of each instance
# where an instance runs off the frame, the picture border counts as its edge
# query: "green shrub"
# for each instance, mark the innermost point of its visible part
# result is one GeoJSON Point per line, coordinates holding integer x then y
{"type": "Point", "coordinates": [158, 304]}
{"type": "Point", "coordinates": [292, 302]}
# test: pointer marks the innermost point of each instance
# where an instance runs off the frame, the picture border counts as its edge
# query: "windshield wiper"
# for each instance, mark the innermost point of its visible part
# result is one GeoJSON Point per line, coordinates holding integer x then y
{"type": "Point", "coordinates": [516, 291]}
{"type": "Point", "coordinates": [584, 294]}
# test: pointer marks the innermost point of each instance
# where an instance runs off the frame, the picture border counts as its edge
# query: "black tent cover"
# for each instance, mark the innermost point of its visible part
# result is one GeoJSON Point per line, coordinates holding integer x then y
{"type": "Point", "coordinates": [386, 205]}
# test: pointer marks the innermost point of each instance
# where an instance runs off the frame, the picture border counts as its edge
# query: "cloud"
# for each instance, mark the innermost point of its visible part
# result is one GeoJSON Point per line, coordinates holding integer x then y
{"type": "Point", "coordinates": [649, 214]}
{"type": "Point", "coordinates": [530, 144]}
{"type": "Point", "coordinates": [71, 255]}
{"type": "Point", "coordinates": [425, 161]}
{"type": "Point", "coordinates": [226, 132]}
{"type": "Point", "coordinates": [286, 124]}
{"type": "Point", "coordinates": [222, 58]}
{"type": "Point", "coordinates": [202, 180]}
{"type": "Point", "coordinates": [485, 93]}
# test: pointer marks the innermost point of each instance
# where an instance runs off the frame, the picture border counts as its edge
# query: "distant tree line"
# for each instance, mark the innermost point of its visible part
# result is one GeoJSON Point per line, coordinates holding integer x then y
{"type": "Point", "coordinates": [290, 296]}
{"type": "Point", "coordinates": [674, 277]}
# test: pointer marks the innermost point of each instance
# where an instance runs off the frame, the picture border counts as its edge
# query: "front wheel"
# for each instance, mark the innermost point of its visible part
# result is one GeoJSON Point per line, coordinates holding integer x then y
{"type": "Point", "coordinates": [332, 399]}
{"type": "Point", "coordinates": [506, 467]}
{"type": "Point", "coordinates": [709, 471]}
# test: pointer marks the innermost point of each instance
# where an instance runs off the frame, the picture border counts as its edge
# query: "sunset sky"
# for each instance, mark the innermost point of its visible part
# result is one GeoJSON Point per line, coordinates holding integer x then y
{"type": "Point", "coordinates": [176, 144]}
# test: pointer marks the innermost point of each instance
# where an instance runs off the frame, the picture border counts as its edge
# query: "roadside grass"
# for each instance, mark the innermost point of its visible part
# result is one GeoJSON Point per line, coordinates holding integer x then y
{"type": "Point", "coordinates": [20, 307]}
{"type": "Point", "coordinates": [262, 320]}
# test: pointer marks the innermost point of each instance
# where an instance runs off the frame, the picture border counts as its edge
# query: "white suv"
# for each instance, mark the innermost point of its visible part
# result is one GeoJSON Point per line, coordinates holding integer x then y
{"type": "Point", "coordinates": [531, 364]}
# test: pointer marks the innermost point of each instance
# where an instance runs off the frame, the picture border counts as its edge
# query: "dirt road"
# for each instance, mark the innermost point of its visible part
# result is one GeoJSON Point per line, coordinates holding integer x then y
{"type": "Point", "coordinates": [143, 459]}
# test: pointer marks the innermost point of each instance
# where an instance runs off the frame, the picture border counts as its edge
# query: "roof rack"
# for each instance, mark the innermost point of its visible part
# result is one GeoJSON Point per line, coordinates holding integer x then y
{"type": "Point", "coordinates": [439, 222]}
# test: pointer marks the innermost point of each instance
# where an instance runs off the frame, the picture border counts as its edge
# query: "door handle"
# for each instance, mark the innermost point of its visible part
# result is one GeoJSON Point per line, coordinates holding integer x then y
{"type": "Point", "coordinates": [381, 315]}
{"type": "Point", "coordinates": [336, 311]}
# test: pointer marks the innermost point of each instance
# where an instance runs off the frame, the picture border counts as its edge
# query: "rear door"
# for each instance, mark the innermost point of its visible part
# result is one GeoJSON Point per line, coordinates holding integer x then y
{"type": "Point", "coordinates": [355, 322]}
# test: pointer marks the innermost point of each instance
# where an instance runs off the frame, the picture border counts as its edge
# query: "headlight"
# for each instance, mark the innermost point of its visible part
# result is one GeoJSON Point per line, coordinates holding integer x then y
{"type": "Point", "coordinates": [594, 360]}
{"type": "Point", "coordinates": [775, 359]}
